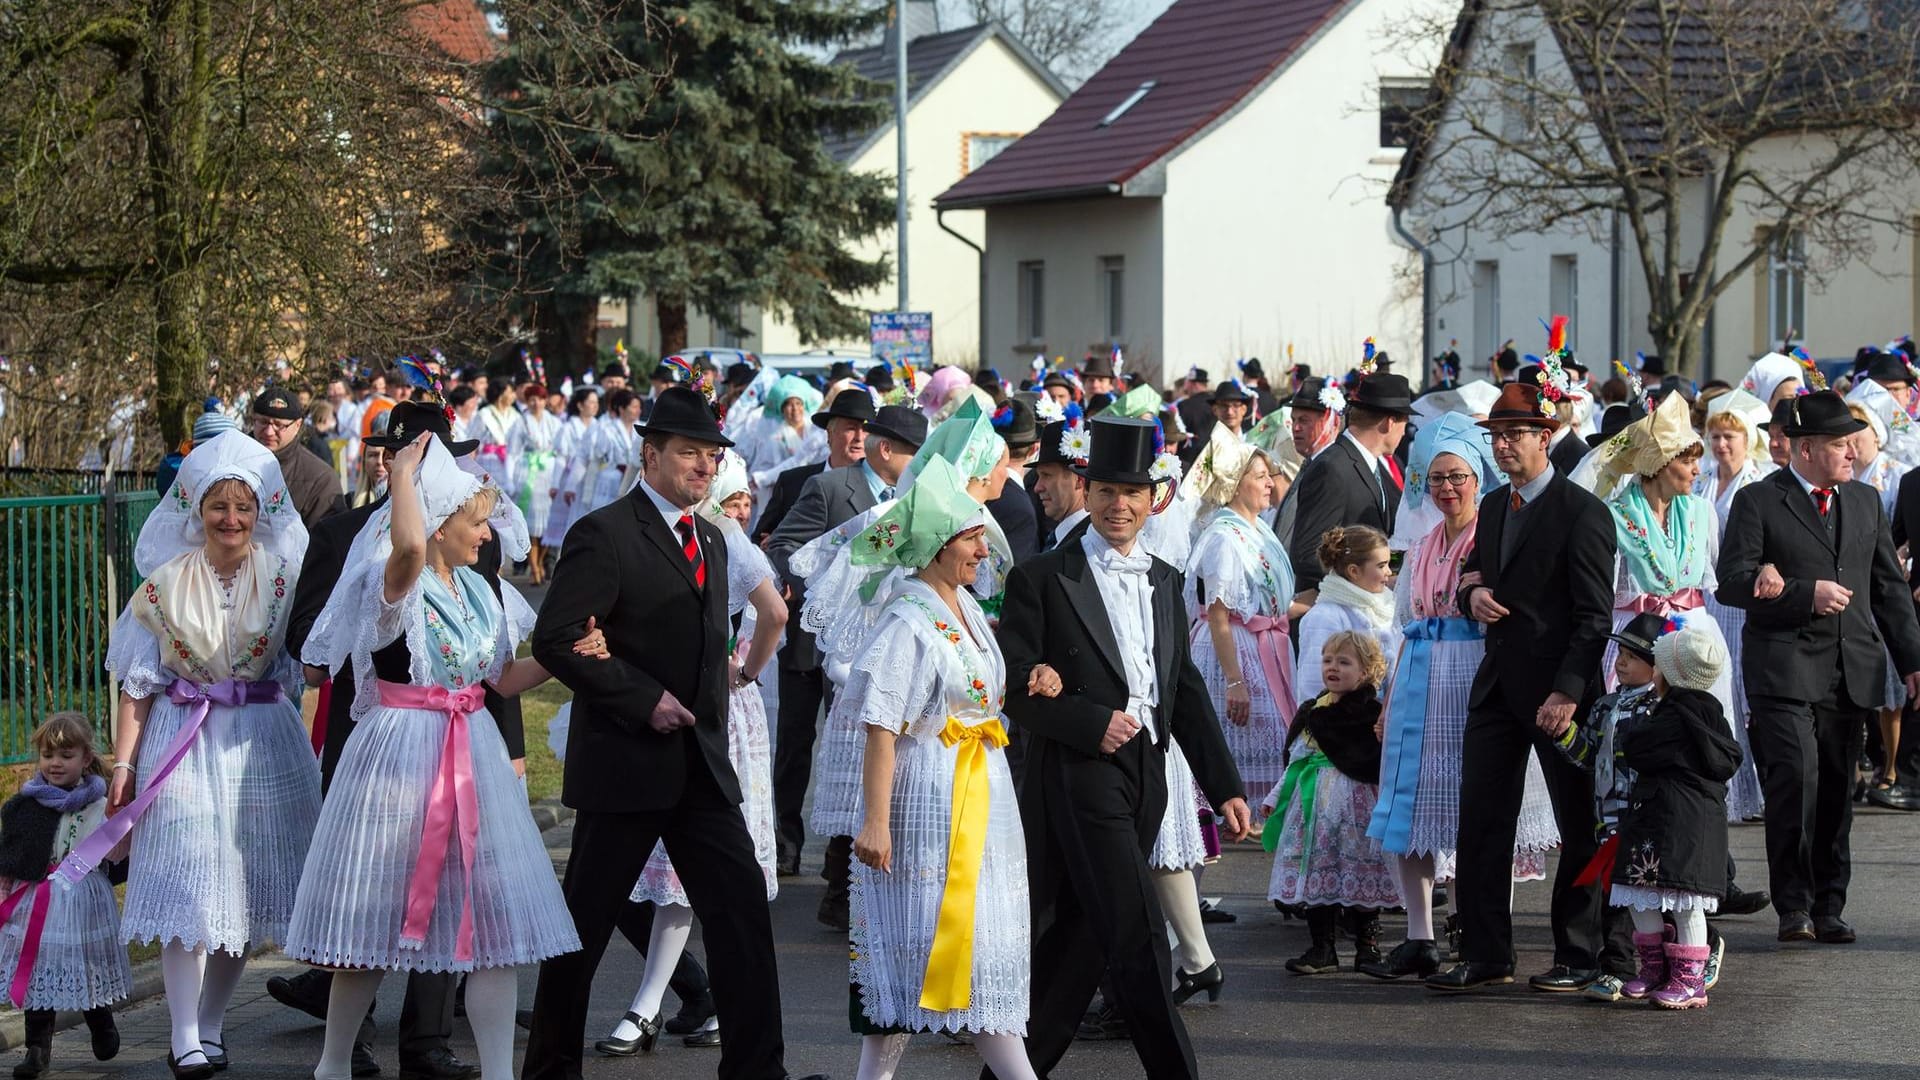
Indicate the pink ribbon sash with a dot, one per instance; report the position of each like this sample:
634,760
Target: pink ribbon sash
1270,636
30,944
230,693
451,804
1683,600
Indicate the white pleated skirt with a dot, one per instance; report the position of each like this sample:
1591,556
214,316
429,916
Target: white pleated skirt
837,757
353,895
750,751
216,859
82,963
1179,845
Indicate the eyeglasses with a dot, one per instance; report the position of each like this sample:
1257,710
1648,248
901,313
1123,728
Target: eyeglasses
275,424
1511,435
1452,479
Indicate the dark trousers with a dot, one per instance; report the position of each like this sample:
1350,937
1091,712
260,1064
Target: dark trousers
1493,773
708,841
837,870
1906,757
1805,752
689,981
802,694
1095,913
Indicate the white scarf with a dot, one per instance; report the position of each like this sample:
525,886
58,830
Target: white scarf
1375,608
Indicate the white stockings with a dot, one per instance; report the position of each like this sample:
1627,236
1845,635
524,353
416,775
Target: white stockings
1414,875
1005,1055
199,987
1179,897
347,1005
1690,927
672,927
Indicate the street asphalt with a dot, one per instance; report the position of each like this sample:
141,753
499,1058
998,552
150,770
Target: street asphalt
1795,1011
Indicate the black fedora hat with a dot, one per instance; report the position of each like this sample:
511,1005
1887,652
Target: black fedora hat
840,369
1889,368
851,403
1053,443
1252,369
1306,394
899,423
680,411
1638,635
1652,367
1227,392
1822,412
1016,423
1198,374
741,374
1383,391
1782,415
1121,452
406,420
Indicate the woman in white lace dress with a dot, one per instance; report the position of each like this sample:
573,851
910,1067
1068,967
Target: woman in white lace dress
209,734
753,596
939,898
572,450
1417,816
614,450
425,857
533,445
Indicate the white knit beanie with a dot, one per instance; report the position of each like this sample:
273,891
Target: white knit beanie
1689,657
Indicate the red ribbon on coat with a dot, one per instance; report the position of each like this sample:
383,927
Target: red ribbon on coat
1599,869
452,803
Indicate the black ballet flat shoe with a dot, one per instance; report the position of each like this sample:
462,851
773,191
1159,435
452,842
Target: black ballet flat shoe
1470,975
643,1044
702,1039
1211,979
693,1016
38,1060
1420,958
197,1070
216,1057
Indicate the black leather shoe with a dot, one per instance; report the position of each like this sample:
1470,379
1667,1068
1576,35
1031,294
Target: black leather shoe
701,1039
36,1061
1832,930
195,1067
833,914
1561,979
811,1076
1470,975
1211,914
1895,797
436,1064
1102,1024
364,1063
523,1019
105,1033
787,864
1796,926
306,991
1210,980
1741,902
1420,958
693,1016
643,1043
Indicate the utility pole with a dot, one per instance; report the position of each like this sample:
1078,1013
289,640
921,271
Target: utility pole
900,140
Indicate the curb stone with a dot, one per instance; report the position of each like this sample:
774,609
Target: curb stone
547,813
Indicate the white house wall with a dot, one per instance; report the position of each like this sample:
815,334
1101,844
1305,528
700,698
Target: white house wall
1070,237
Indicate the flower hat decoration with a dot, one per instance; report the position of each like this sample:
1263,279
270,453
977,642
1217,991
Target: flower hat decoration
1555,384
1076,442
1815,380
1333,398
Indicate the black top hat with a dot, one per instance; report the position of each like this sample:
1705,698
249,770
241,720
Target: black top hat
1122,451
900,423
1638,635
680,411
1016,423
741,374
851,403
614,370
1384,392
1228,391
1652,367
1052,438
278,403
1097,366
1506,360
1615,420
1889,368
1782,415
1306,394
406,420
840,369
1252,369
1822,412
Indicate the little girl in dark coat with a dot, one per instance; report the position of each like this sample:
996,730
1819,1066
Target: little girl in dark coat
1673,834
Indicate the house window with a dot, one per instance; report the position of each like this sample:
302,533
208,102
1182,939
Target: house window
1519,85
1787,287
1486,307
983,146
1113,291
1033,300
1400,103
1563,287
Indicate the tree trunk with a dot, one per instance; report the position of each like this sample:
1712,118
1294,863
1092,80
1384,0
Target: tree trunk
173,105
565,324
673,323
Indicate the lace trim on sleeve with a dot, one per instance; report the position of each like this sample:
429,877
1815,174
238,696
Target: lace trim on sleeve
894,680
747,567
1218,569
133,657
516,623
379,625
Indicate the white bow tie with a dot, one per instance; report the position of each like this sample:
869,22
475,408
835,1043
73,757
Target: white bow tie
1113,562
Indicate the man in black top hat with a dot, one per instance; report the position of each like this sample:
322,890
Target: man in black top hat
825,500
613,377
1015,510
1106,618
1352,482
647,753
277,425
1813,658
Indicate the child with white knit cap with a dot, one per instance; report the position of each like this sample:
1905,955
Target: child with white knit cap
1673,835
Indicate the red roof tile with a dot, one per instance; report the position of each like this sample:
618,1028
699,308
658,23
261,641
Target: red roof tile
457,28
1203,57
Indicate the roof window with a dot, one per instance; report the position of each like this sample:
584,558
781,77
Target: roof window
1132,100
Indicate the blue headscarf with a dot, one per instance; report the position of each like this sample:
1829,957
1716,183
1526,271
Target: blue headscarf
1449,433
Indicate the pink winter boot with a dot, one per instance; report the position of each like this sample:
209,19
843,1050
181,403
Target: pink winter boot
1653,965
1686,986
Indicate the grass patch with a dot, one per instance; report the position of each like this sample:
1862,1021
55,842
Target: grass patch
537,707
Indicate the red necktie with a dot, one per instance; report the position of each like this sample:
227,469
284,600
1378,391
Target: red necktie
691,549
1393,470
1514,501
1823,500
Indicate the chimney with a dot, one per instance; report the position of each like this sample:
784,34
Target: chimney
922,18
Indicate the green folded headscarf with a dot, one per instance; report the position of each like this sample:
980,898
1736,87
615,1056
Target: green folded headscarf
914,529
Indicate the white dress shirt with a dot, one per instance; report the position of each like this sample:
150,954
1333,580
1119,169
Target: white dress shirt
670,513
1373,465
1067,525
1128,595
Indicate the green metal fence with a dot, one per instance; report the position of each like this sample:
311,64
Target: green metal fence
68,571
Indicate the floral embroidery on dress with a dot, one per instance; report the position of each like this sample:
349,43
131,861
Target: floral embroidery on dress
977,690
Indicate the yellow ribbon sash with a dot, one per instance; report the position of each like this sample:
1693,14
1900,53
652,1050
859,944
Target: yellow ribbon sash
949,982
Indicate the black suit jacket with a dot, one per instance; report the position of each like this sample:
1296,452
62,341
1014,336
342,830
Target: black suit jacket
786,489
624,567
1337,487
827,500
1054,615
1557,588
1196,412
1014,512
1788,651
326,560
1566,453
1906,519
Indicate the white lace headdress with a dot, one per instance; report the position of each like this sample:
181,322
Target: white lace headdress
175,525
